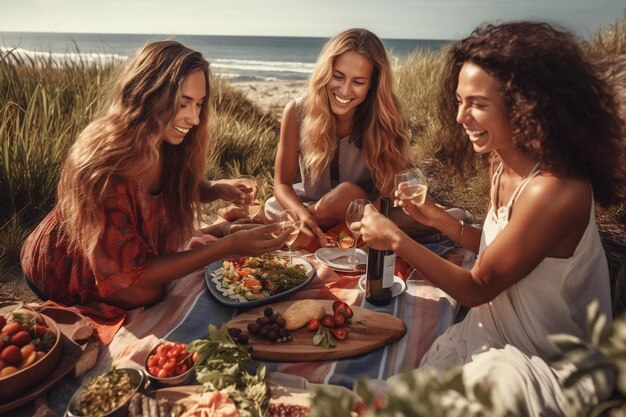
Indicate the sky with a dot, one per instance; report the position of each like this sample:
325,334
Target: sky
401,19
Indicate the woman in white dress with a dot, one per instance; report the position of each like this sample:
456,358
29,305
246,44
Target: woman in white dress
524,93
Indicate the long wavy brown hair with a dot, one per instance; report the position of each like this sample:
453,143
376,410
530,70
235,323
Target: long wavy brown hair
379,127
561,112
120,145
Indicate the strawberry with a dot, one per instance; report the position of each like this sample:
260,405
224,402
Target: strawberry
328,321
339,307
339,319
20,338
340,333
11,354
12,328
313,325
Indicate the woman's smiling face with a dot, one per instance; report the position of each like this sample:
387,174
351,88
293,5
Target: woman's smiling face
482,110
350,82
193,94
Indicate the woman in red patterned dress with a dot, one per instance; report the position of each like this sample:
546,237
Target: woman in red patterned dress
131,187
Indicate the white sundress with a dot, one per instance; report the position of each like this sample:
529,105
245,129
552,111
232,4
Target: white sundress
504,343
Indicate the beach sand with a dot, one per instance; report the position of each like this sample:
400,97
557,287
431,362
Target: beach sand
271,96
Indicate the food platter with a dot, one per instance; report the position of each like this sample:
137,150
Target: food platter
368,331
336,258
214,285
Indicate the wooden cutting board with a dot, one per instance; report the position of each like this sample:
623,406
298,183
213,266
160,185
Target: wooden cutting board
368,331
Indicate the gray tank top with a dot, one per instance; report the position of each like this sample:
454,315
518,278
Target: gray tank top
351,166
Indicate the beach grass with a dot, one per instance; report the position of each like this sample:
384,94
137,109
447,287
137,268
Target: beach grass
45,104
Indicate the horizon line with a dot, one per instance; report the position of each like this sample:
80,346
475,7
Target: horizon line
215,35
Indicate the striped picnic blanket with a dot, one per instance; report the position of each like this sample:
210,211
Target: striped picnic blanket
189,308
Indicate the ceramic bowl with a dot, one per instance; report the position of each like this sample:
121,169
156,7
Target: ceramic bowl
136,379
13,385
156,382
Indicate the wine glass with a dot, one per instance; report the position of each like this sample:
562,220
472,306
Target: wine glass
412,185
354,214
288,220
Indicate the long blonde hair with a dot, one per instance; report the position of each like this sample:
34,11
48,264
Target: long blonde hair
122,143
379,128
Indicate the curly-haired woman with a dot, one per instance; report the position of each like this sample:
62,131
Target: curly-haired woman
526,93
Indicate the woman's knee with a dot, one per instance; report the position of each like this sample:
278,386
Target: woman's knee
333,205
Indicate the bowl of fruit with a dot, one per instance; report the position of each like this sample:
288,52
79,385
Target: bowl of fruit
169,364
30,349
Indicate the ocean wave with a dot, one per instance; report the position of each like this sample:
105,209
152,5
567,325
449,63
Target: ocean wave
61,58
261,66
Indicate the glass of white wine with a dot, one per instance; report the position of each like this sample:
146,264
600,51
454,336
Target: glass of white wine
354,214
412,185
289,220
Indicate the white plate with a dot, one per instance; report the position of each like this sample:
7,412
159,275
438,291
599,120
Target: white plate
397,288
337,258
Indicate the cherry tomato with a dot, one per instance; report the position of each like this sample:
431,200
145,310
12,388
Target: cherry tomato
154,370
163,374
181,369
152,361
169,365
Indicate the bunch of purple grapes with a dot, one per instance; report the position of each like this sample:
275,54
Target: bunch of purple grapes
270,326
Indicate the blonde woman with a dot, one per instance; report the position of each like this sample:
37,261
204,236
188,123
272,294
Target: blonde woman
346,137
130,188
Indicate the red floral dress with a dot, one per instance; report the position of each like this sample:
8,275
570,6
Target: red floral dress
136,230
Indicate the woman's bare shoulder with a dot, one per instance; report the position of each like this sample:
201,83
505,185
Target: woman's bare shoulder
551,193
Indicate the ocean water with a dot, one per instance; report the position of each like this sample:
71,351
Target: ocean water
241,58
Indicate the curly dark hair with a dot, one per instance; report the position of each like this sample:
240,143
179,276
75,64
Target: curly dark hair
561,112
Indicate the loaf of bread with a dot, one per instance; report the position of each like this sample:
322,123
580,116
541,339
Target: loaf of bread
300,313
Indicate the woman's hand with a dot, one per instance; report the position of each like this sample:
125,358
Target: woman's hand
310,223
258,240
237,191
378,231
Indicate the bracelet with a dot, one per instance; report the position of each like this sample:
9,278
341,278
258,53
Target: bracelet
462,223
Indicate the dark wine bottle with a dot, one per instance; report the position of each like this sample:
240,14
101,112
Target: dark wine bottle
380,263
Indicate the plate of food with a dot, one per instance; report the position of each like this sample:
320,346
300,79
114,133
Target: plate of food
247,281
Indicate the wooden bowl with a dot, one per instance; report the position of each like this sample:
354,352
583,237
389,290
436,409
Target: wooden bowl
13,385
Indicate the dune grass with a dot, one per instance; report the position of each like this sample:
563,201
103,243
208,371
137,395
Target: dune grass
45,104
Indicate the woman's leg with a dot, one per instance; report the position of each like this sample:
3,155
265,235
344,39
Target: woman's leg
331,208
